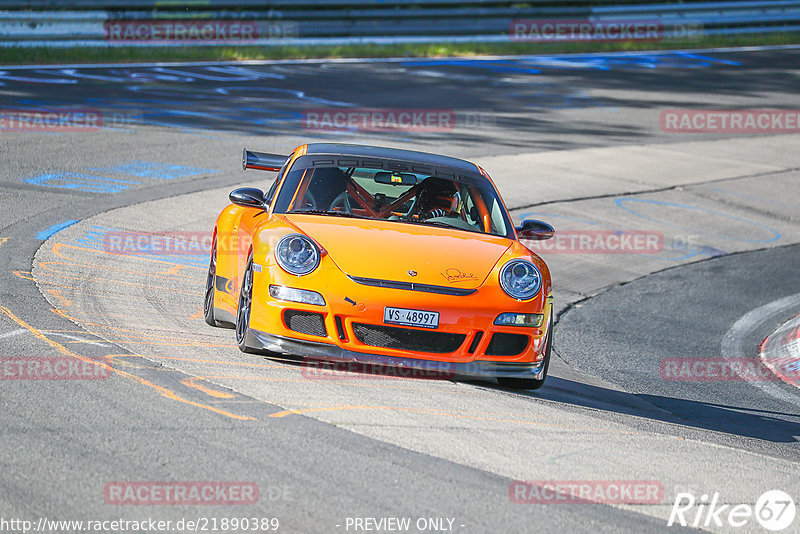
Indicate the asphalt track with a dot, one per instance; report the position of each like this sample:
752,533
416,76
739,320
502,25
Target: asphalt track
572,139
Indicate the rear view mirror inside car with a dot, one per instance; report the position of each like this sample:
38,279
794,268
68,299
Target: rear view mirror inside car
395,178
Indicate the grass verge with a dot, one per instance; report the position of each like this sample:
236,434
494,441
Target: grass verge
41,56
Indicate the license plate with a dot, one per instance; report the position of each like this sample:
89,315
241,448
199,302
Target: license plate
403,316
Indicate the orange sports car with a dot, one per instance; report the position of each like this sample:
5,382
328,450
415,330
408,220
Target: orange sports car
386,257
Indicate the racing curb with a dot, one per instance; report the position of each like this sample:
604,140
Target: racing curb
780,352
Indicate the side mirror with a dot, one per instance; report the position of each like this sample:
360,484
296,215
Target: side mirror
535,230
249,197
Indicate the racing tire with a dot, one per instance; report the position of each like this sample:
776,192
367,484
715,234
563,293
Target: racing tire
211,281
533,383
243,310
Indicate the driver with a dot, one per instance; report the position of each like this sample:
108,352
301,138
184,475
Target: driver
437,198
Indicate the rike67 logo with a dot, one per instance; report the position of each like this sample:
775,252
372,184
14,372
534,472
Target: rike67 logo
774,510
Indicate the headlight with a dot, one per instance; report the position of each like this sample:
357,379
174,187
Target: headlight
297,254
520,279
518,319
296,295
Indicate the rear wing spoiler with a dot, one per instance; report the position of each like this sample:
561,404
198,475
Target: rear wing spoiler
262,161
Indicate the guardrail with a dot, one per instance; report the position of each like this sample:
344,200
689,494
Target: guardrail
298,22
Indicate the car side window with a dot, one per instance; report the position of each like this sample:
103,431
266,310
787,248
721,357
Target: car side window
274,187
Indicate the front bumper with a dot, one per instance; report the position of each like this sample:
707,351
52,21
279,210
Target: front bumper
313,350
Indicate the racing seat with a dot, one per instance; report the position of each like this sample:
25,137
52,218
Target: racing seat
327,183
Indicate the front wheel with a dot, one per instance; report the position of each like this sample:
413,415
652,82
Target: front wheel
533,383
208,301
243,312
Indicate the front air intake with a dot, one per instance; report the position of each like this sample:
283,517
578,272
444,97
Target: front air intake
503,344
310,323
390,337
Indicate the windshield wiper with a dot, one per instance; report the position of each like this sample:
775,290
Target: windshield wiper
439,224
334,213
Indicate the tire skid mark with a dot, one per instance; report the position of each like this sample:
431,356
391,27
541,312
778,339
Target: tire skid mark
344,407
168,336
181,344
75,320
350,383
187,344
66,302
192,383
164,391
117,359
26,275
118,315
113,281
200,360
173,271
166,275
56,249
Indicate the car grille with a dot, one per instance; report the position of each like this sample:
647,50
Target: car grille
390,337
506,344
477,339
310,323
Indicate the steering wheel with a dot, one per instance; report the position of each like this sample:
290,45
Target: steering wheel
309,201
434,213
343,200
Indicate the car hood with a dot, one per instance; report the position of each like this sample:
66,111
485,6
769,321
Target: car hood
388,250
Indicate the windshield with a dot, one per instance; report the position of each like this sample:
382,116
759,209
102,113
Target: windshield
402,197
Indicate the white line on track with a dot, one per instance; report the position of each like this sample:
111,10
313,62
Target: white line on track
13,333
83,340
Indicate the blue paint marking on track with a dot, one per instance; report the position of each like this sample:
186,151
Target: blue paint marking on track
605,62
621,201
157,171
89,183
48,233
93,238
494,65
80,182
